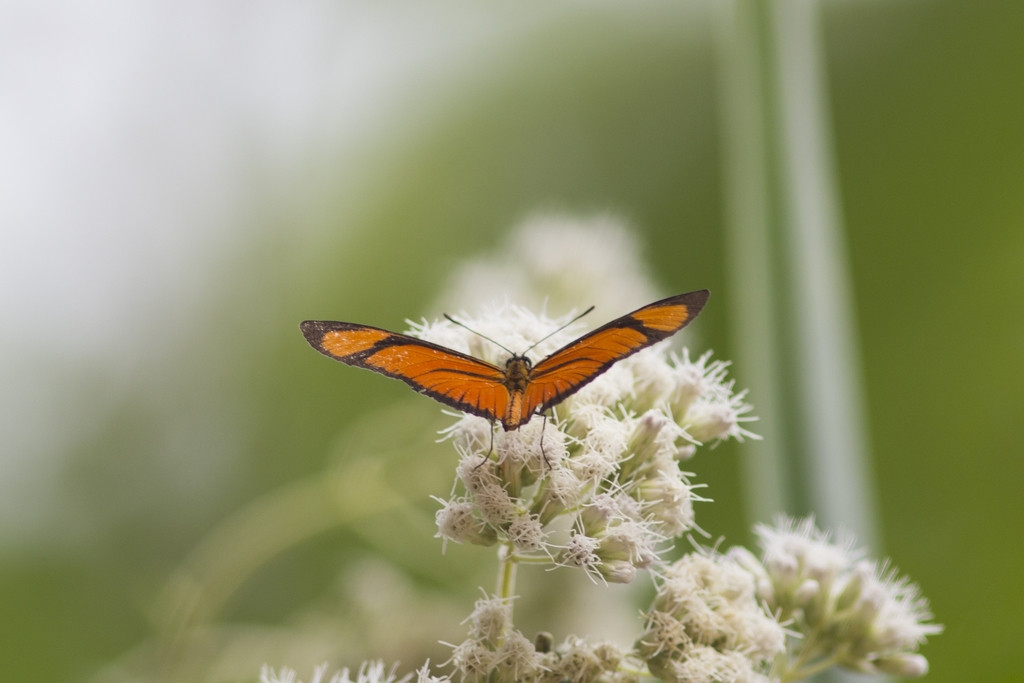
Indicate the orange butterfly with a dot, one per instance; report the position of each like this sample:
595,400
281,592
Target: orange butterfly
519,391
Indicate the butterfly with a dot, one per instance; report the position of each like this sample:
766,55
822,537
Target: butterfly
513,394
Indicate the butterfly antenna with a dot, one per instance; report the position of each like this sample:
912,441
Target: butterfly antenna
558,330
478,334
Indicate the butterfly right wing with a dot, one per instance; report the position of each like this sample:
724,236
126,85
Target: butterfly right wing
452,378
575,365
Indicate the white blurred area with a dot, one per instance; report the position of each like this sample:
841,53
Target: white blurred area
133,137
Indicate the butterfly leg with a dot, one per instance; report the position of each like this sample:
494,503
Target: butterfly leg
542,426
489,450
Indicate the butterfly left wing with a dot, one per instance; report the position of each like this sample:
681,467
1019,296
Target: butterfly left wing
455,379
572,367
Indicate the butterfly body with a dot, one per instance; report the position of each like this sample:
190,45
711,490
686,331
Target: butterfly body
520,390
518,371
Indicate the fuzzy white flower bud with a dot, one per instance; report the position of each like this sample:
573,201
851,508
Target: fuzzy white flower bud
614,386
593,466
629,508
581,551
491,499
685,452
490,619
457,522
704,403
653,378
517,659
689,382
630,541
526,533
643,443
369,672
423,675
667,498
862,572
596,514
473,660
608,437
764,589
617,571
470,434
707,665
904,666
664,635
712,596
710,421
581,662
807,591
561,489
855,612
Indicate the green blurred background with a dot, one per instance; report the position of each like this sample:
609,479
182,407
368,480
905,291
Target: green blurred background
359,154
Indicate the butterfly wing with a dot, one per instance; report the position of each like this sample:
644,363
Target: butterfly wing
572,367
455,379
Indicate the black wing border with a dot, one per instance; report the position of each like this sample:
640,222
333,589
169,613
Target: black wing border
314,331
694,302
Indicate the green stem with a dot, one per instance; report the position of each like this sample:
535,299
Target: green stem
641,672
807,672
530,559
798,670
507,561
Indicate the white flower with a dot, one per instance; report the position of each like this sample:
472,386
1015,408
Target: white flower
615,385
621,436
517,657
705,602
492,500
561,489
522,447
705,664
616,571
703,401
889,618
651,435
718,418
857,613
653,378
795,550
905,665
606,435
596,515
526,533
581,551
423,675
369,672
667,498
473,660
457,522
561,262
633,542
690,380
490,619
582,662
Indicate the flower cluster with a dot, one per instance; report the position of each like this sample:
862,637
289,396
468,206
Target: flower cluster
850,611
607,458
706,624
369,672
497,653
596,484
